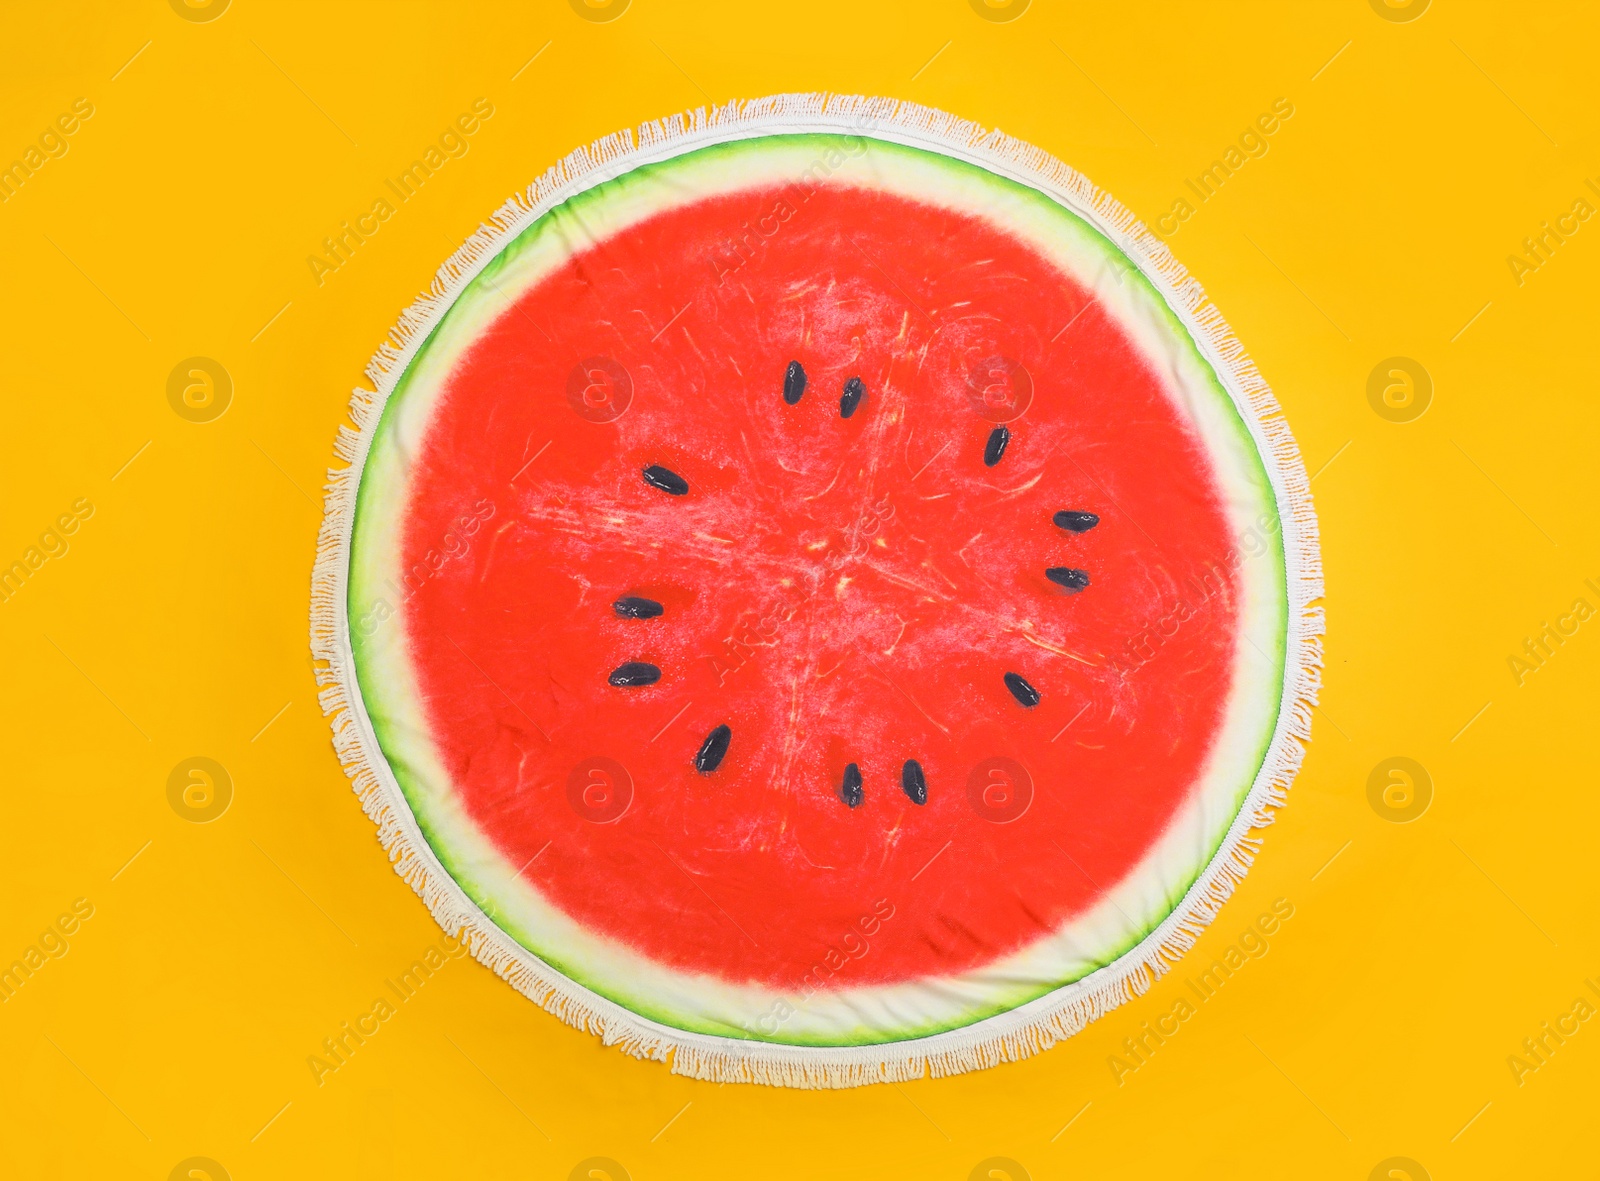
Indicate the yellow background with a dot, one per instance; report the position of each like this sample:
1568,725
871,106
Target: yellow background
1380,221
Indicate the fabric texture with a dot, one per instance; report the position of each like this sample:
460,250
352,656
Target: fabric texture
816,594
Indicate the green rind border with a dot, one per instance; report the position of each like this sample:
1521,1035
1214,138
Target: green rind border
1050,207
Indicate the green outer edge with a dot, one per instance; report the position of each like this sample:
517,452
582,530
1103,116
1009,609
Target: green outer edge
574,205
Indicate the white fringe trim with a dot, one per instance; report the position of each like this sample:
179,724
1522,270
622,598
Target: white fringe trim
1006,1037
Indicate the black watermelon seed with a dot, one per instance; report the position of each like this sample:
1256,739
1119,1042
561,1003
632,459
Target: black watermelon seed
1075,522
1027,696
913,782
665,479
1066,576
996,446
711,752
633,674
633,607
794,382
851,792
854,391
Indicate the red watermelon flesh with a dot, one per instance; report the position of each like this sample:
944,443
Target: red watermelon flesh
834,590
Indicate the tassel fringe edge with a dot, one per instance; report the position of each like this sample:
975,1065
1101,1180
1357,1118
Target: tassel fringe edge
1008,1037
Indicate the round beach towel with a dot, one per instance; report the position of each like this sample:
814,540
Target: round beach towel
817,595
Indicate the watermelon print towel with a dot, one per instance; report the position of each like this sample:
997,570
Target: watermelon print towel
817,596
